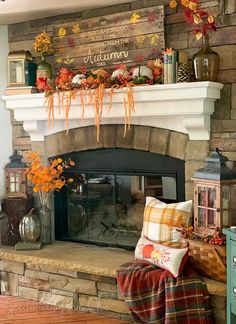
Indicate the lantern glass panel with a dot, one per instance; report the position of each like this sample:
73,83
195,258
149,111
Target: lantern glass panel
212,198
12,187
207,197
16,68
225,197
202,196
211,218
12,177
202,217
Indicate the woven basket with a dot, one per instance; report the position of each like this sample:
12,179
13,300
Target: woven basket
208,260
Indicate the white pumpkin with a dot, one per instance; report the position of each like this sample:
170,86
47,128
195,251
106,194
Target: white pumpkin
77,79
124,73
143,71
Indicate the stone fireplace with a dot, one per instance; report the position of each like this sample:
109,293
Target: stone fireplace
167,141
170,132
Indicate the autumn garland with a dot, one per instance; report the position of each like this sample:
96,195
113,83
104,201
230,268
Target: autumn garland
96,99
92,89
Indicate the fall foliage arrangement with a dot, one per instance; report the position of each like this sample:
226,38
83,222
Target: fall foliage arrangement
46,178
201,20
43,43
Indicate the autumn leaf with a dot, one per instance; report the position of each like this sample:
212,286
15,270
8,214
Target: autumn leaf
62,32
75,28
135,18
173,4
68,60
211,19
185,3
71,42
197,19
198,35
140,38
153,38
117,20
59,60
152,17
192,5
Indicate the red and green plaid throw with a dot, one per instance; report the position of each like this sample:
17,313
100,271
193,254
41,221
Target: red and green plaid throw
153,295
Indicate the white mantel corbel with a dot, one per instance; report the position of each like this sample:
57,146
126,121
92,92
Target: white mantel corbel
183,107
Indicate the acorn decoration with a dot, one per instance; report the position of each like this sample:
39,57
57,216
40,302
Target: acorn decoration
183,74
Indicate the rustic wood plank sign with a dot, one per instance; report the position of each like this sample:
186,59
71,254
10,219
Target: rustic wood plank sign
129,38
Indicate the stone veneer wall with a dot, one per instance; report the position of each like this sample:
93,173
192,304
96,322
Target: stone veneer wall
83,291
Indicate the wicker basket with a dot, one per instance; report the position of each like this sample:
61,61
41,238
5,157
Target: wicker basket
208,260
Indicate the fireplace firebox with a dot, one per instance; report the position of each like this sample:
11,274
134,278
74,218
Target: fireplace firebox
104,204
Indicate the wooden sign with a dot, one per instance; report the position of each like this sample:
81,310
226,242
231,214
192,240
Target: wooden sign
130,38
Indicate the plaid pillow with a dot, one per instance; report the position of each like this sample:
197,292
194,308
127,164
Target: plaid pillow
160,219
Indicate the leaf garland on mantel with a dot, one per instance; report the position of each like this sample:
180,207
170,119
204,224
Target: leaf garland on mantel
95,98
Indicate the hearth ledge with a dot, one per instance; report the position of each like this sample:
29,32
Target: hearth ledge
75,257
182,107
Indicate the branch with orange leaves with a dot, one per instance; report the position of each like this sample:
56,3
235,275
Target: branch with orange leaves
46,178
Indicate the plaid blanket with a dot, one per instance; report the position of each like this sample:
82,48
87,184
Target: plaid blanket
153,295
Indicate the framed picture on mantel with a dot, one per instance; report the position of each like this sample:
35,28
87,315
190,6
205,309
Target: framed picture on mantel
123,38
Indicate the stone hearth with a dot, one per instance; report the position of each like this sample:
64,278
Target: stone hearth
73,275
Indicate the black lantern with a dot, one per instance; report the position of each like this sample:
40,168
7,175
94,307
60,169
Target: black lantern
15,175
214,195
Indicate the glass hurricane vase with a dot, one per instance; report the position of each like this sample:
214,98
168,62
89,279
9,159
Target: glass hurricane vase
45,220
44,69
206,62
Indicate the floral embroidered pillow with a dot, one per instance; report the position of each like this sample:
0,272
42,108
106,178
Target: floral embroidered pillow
165,257
160,220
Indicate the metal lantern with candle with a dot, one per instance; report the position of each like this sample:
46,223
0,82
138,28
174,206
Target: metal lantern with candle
21,69
15,176
214,196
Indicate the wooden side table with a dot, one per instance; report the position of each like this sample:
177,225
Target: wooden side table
231,275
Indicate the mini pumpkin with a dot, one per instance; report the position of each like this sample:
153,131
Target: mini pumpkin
141,74
119,73
77,79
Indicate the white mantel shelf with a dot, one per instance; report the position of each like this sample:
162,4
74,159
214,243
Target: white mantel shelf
183,107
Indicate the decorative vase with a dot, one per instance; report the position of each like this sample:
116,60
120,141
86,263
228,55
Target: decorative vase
29,227
206,62
44,69
45,220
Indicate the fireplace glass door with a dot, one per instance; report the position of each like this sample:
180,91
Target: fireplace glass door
107,209
105,203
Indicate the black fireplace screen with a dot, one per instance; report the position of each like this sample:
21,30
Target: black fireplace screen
105,203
